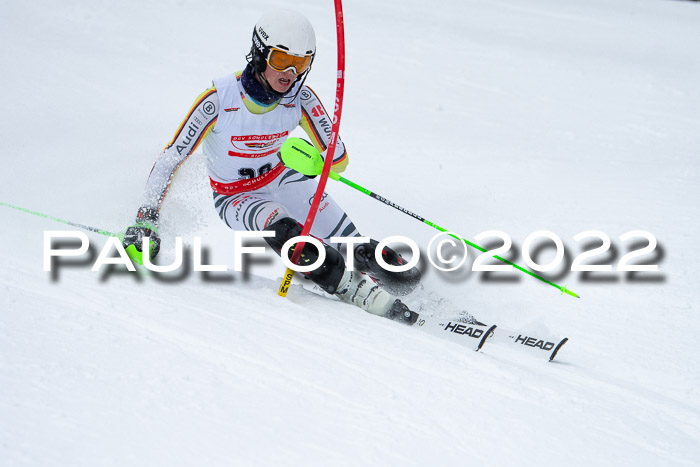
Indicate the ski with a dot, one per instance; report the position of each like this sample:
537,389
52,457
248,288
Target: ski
472,336
475,336
535,344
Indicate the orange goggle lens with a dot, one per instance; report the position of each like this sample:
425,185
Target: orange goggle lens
282,61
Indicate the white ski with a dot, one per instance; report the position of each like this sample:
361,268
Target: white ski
472,336
535,344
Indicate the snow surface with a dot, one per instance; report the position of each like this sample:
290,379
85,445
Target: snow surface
480,115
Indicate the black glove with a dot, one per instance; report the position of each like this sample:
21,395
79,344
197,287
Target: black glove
146,220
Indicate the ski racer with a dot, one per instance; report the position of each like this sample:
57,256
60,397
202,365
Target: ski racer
241,122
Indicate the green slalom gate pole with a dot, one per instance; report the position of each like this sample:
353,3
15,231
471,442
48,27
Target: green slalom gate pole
74,224
382,199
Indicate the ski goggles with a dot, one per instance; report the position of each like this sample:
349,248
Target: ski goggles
282,61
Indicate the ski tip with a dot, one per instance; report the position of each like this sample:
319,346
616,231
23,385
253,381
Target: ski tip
485,337
558,347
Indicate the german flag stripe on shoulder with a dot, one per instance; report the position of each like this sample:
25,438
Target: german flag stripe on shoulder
312,130
206,112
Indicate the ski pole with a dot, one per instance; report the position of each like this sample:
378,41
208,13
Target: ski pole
74,224
304,158
382,199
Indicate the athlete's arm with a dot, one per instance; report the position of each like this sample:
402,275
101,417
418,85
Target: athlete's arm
317,123
194,128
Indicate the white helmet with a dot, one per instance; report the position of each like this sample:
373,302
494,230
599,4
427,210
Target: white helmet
288,32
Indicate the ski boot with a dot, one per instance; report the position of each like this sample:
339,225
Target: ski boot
360,290
400,312
397,283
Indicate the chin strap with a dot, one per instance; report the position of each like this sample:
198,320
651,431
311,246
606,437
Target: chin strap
301,83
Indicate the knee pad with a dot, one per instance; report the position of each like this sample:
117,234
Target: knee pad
328,274
397,283
284,229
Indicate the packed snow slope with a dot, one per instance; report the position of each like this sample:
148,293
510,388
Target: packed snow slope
479,115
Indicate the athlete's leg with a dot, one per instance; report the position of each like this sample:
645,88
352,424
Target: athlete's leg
298,192
278,211
332,221
262,210
249,211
